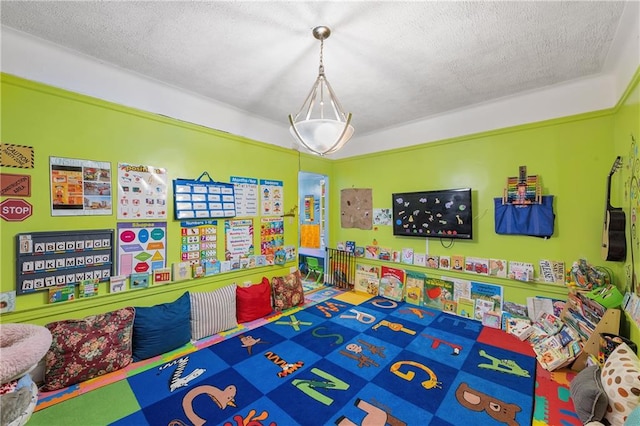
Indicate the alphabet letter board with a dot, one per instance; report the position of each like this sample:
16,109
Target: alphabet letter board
199,199
51,259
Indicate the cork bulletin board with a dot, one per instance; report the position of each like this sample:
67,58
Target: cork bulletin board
356,208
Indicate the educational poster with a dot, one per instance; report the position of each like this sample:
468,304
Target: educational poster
199,240
271,235
80,187
142,192
246,192
310,236
142,247
239,238
309,208
272,201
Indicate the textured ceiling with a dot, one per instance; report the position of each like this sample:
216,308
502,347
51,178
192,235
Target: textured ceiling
390,63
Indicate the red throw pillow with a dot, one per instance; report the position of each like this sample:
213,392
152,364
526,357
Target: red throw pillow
253,302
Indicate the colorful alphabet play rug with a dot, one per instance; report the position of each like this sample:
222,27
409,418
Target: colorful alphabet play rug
338,362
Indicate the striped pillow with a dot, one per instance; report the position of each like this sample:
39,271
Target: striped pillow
213,311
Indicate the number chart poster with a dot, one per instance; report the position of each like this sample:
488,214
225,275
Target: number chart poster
239,238
199,240
271,235
272,193
80,187
246,192
142,247
142,192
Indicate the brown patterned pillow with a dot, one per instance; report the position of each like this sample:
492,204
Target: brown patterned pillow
287,291
87,348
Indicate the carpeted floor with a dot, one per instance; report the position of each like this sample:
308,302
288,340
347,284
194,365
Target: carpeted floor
333,384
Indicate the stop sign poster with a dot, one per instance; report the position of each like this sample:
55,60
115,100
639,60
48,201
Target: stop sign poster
142,247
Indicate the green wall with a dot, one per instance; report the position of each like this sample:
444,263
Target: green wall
626,124
572,156
62,124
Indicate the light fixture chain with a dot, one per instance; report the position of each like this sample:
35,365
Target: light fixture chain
321,69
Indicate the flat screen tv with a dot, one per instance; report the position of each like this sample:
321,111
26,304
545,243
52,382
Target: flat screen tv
433,214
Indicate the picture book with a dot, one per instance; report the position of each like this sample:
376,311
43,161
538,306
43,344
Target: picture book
450,306
414,295
88,288
62,294
7,302
457,263
498,268
197,271
280,257
212,266
225,265
415,285
396,256
461,288
384,253
433,261
161,276
369,268
358,251
181,271
372,252
445,262
476,265
520,271
290,253
490,292
392,283
492,319
551,271
482,306
419,259
436,292
516,310
366,282
350,246
407,256
465,307
141,280
117,283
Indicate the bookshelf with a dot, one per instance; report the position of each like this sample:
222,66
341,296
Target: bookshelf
609,323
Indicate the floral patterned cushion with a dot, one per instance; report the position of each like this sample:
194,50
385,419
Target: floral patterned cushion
287,291
87,348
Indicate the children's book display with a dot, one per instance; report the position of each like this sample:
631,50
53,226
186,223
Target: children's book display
203,199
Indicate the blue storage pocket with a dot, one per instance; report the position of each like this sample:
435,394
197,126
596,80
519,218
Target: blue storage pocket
535,220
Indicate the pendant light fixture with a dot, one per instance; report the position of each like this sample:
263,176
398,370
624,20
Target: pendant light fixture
321,125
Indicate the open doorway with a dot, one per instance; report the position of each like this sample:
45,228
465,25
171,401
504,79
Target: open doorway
313,226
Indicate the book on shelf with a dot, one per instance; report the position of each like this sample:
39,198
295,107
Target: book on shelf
549,322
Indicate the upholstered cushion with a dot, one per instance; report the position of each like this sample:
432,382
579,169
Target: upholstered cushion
254,301
287,291
89,347
213,311
621,382
161,328
589,399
